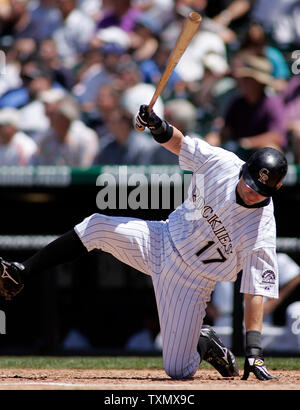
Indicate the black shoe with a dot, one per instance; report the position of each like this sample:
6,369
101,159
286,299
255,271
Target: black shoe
221,358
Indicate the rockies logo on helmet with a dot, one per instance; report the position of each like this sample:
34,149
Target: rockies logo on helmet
263,175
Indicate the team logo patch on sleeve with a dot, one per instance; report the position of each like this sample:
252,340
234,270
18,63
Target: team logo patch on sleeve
268,279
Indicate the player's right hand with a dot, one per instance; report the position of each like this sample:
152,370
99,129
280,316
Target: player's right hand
256,365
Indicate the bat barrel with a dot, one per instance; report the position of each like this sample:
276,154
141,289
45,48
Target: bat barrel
188,31
194,16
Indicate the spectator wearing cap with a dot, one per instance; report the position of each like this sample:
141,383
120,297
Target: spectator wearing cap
112,34
253,119
67,141
16,148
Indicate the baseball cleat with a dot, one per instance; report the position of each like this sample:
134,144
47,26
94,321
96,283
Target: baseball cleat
221,358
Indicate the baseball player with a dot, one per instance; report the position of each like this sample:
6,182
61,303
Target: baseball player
225,226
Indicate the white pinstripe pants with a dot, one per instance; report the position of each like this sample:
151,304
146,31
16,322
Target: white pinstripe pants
181,293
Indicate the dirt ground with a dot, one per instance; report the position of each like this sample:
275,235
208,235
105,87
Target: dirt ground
72,379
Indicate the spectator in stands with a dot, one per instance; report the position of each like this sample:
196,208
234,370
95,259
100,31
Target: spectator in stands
227,18
73,36
213,93
93,8
35,78
30,70
16,20
100,68
153,68
108,100
12,78
45,16
128,147
190,67
26,19
134,90
183,115
253,120
16,148
280,18
234,14
49,58
144,38
111,35
256,42
159,11
120,13
291,101
68,141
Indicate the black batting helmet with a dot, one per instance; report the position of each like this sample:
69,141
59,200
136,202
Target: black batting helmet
264,170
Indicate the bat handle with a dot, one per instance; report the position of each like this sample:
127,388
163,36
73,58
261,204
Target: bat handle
150,106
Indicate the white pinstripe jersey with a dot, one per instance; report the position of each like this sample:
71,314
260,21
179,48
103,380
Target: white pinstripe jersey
213,233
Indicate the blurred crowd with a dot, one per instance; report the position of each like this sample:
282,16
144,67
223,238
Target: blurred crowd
73,74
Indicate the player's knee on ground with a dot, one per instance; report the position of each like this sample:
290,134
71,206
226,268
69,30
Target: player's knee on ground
177,371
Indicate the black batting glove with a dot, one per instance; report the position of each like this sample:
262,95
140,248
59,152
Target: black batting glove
254,363
145,119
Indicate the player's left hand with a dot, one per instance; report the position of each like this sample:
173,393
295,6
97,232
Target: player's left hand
255,364
145,119
142,118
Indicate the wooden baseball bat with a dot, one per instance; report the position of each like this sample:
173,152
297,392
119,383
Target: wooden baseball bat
189,29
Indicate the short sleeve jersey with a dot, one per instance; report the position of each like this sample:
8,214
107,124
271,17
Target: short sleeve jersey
213,233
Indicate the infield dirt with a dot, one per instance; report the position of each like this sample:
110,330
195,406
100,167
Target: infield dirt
73,379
